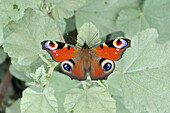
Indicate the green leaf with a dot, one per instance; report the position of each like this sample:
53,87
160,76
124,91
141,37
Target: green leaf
3,56
65,8
88,33
61,83
132,21
13,10
38,100
102,13
15,107
24,42
154,13
38,73
70,24
18,74
143,74
27,69
40,76
93,100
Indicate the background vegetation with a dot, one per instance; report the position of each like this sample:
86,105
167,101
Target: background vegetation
30,82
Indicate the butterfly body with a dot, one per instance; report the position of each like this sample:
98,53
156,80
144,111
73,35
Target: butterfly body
76,62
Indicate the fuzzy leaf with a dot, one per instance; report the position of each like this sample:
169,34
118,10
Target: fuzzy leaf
88,33
65,8
61,83
102,13
94,100
38,100
18,74
13,10
154,13
143,74
24,42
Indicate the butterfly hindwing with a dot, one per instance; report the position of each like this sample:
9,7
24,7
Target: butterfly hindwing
112,49
59,51
74,68
101,68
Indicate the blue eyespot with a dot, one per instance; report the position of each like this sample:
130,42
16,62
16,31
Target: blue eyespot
67,67
107,67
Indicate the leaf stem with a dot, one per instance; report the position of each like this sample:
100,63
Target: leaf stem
44,59
84,85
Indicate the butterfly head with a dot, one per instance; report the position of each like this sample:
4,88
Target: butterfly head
85,46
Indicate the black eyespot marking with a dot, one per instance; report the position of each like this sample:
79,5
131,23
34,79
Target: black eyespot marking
101,60
72,61
67,67
101,45
60,45
107,67
68,47
109,43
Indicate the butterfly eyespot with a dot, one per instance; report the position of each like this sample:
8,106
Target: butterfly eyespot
120,43
107,65
67,66
51,45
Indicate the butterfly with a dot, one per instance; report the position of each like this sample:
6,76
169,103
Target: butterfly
98,60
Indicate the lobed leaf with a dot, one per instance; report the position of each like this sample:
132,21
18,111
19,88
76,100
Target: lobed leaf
88,33
65,8
102,14
93,100
61,84
38,100
13,10
27,34
154,13
142,74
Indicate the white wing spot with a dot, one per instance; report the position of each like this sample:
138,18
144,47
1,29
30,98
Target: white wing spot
115,52
54,51
117,49
56,54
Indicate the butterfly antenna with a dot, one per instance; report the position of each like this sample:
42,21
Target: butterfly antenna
75,41
94,36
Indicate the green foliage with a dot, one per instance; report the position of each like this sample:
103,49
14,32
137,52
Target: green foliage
140,82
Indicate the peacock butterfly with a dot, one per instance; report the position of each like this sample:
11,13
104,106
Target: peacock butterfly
77,62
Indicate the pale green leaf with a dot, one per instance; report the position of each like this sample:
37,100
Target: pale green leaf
38,100
93,100
132,21
18,74
102,13
154,13
15,107
27,69
27,34
13,10
65,8
70,24
61,83
40,71
143,74
3,56
88,33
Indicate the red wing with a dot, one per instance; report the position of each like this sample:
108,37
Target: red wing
113,49
74,68
59,51
98,68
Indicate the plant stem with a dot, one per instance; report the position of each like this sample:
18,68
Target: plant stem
44,59
84,85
